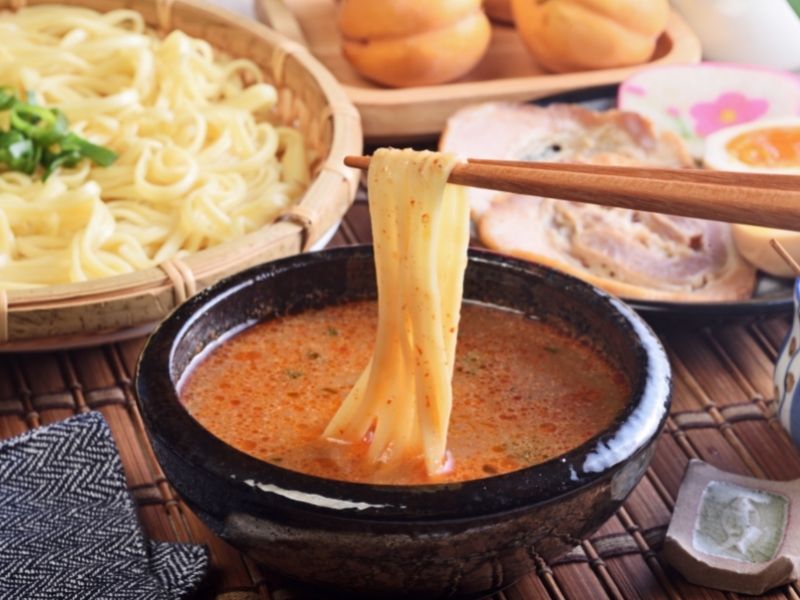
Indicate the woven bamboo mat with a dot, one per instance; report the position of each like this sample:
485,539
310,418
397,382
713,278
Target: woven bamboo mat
721,413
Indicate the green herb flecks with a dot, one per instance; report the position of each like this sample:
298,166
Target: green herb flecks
39,137
470,363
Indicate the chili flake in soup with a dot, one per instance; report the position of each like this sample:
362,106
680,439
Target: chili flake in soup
522,393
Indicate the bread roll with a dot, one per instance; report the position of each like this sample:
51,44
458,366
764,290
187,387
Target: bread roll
577,35
402,43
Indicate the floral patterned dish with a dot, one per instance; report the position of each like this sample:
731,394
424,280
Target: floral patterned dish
697,100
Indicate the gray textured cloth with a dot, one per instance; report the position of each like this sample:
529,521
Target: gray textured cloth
68,527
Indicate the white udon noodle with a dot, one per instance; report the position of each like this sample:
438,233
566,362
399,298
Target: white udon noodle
198,162
403,398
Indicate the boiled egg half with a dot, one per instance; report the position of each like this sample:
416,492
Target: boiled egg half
768,146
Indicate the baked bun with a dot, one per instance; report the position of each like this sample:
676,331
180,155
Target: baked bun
577,35
403,43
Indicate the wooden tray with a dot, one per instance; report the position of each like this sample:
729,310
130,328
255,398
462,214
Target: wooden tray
507,72
113,308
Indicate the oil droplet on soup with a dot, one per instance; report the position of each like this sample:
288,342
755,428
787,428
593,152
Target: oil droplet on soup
522,393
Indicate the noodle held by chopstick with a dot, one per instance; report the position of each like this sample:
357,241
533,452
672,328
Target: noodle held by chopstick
403,399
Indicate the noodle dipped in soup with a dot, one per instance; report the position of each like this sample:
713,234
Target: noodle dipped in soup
523,393
403,399
392,426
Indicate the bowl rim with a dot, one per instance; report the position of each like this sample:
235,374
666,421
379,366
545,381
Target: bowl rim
273,488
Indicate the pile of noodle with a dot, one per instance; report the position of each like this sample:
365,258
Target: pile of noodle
198,161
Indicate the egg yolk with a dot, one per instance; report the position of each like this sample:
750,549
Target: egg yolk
773,147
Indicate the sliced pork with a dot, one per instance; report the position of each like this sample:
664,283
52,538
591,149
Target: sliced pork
621,250
630,253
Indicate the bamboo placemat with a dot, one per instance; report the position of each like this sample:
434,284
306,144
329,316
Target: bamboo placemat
721,413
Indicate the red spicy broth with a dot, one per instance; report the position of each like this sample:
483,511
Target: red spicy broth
522,393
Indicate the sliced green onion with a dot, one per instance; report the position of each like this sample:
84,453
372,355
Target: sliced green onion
18,152
67,158
41,124
41,136
99,154
7,98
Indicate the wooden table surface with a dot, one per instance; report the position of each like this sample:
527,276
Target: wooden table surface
722,413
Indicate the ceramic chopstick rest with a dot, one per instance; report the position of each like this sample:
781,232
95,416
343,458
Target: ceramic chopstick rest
735,533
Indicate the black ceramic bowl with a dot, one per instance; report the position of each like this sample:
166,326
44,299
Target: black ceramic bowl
441,540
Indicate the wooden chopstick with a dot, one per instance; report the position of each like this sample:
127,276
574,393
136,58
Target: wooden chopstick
786,182
755,199
787,258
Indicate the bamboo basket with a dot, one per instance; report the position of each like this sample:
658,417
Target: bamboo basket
308,97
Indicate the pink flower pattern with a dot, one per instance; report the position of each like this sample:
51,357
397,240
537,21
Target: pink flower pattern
728,109
637,90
